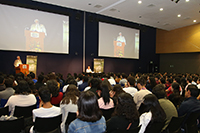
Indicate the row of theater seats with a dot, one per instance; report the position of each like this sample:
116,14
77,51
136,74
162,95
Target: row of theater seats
52,125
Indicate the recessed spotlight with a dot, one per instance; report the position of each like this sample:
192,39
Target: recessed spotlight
139,2
89,4
161,9
187,0
179,15
194,21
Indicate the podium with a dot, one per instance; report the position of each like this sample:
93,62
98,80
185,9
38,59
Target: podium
34,40
119,49
24,68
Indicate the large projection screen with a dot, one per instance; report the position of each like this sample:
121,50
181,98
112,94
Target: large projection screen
118,41
31,30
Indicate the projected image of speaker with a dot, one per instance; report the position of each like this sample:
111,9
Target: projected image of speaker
33,31
118,41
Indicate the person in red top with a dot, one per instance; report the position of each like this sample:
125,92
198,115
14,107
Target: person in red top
56,95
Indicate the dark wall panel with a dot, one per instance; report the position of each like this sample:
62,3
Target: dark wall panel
180,63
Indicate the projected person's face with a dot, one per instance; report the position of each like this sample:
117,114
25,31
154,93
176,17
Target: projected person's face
120,34
18,57
88,67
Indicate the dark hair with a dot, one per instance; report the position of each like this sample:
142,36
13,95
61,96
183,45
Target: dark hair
40,78
170,80
151,104
118,89
105,93
189,79
142,81
126,107
85,78
52,85
32,75
9,82
193,90
73,82
162,80
152,82
95,82
159,91
23,88
124,75
131,80
178,80
44,94
1,79
176,87
71,94
88,107
105,81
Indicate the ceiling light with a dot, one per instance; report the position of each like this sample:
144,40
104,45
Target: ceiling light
194,21
161,9
179,15
187,0
139,2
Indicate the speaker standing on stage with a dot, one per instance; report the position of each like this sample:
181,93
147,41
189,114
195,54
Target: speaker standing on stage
18,61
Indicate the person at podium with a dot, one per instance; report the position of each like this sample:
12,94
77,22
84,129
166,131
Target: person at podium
121,38
38,27
18,61
88,70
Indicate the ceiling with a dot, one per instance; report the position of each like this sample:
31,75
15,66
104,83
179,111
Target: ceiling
147,13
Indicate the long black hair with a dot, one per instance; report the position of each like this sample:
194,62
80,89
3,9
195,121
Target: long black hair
151,104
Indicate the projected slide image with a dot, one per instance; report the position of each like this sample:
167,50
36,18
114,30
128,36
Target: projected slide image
31,30
118,41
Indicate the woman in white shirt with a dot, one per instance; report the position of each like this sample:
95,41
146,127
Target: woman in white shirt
69,104
151,112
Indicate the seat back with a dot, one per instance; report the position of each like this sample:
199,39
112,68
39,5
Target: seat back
24,111
47,124
4,111
154,127
175,124
71,116
134,130
107,113
12,126
3,102
191,122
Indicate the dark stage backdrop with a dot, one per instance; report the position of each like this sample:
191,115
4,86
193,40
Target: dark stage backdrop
73,62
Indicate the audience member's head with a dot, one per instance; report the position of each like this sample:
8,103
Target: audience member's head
159,91
40,78
71,94
141,82
151,104
131,81
23,88
126,107
95,83
44,94
2,80
88,108
52,85
9,82
192,91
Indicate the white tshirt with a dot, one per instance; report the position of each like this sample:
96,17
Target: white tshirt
145,118
20,100
112,81
46,112
130,90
